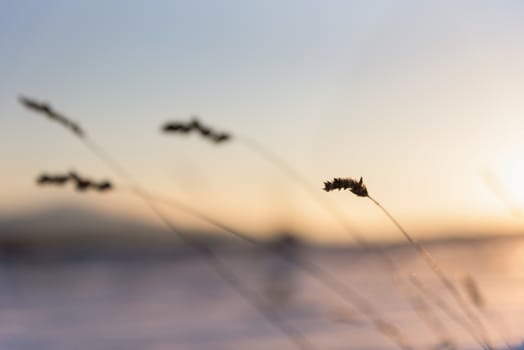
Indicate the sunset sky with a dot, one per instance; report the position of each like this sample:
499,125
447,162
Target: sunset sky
422,99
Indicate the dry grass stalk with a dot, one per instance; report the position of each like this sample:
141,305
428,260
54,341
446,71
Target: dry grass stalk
213,260
358,188
51,114
81,183
196,126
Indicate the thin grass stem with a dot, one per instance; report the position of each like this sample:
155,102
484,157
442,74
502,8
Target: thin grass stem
296,177
444,307
341,289
435,267
359,188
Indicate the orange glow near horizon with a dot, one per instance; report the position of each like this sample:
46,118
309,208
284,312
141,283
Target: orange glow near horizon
271,217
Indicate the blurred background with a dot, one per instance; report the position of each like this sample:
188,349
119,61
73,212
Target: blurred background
421,99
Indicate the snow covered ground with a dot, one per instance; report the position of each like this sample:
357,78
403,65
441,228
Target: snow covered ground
182,304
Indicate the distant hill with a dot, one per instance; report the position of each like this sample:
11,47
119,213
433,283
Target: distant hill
73,231
70,219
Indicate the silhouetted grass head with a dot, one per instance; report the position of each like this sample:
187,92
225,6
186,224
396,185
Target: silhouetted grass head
194,125
46,109
357,187
81,183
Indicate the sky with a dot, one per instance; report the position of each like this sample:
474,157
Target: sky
421,99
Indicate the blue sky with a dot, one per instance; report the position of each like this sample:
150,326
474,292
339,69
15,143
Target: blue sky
418,97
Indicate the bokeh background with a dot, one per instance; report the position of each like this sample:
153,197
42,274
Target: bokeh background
420,98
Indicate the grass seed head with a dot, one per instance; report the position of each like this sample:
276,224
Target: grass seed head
357,187
81,183
46,109
194,125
